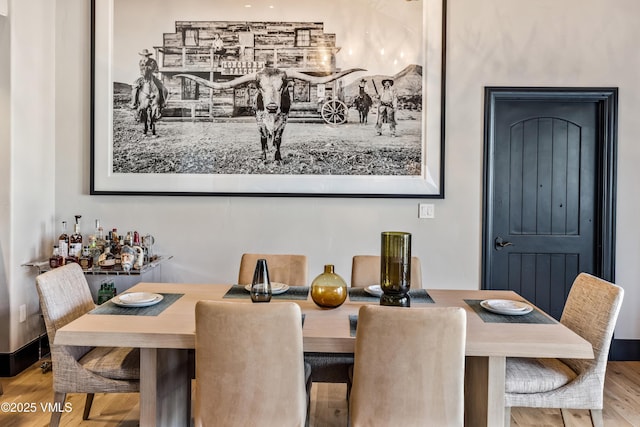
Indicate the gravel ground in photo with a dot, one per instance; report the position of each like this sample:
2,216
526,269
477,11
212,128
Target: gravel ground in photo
232,146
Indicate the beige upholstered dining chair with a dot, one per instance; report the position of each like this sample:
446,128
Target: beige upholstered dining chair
409,367
287,269
65,296
293,270
365,271
591,311
249,365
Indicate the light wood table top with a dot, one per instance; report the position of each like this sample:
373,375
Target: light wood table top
325,330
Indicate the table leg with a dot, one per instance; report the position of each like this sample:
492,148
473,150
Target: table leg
484,391
165,387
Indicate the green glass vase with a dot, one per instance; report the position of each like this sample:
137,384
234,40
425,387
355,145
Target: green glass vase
328,290
395,268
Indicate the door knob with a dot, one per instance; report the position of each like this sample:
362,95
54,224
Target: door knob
499,243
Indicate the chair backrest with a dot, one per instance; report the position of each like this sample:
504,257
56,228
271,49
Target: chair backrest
288,269
365,271
249,364
591,311
64,296
409,367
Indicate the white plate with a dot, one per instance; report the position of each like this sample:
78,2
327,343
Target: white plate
276,288
505,306
137,299
374,290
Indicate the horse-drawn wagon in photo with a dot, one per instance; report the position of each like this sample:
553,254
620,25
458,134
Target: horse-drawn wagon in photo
206,82
333,109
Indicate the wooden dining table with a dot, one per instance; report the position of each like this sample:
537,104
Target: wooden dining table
166,335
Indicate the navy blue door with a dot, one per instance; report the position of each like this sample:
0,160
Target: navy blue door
541,198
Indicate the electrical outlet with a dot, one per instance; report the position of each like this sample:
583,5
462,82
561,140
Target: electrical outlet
23,313
426,210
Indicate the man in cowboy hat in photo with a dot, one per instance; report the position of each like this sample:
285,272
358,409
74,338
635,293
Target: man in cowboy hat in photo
387,105
148,68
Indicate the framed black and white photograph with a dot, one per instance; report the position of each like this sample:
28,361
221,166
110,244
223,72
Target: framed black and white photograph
339,98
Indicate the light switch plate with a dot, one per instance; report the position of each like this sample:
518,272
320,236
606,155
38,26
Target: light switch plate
426,210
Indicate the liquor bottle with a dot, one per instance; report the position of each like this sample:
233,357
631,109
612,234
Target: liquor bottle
75,240
107,244
94,250
106,260
63,241
56,259
115,243
86,260
136,238
128,239
100,241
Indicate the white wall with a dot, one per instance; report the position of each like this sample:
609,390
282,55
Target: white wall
493,42
29,177
5,178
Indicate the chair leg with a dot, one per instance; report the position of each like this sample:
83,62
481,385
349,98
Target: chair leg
58,402
596,418
308,420
308,385
349,381
507,416
87,406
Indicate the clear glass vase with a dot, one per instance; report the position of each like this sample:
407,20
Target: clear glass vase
328,290
395,268
261,285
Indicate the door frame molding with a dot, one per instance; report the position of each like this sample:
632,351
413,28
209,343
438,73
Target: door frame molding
606,154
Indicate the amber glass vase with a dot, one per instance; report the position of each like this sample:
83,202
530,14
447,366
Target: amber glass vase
395,268
328,290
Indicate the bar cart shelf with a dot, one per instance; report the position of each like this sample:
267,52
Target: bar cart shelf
43,266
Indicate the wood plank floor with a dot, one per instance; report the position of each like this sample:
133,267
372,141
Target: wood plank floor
30,392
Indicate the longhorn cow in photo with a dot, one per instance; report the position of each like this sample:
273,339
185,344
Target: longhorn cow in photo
273,102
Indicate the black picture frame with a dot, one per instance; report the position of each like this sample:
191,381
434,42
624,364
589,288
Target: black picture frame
116,169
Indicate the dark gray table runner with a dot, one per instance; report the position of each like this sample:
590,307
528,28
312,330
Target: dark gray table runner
152,310
416,295
294,292
535,316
